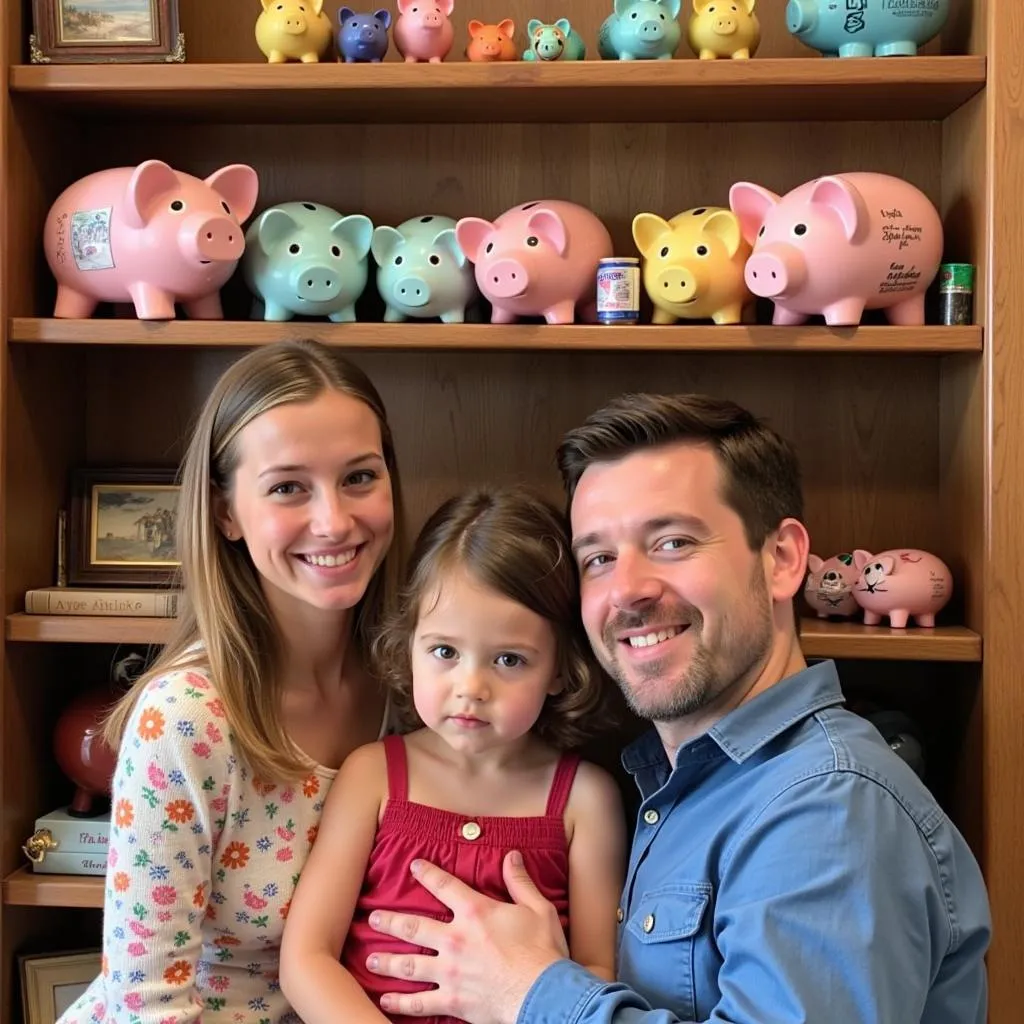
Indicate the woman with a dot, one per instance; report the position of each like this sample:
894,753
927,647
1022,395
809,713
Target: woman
289,505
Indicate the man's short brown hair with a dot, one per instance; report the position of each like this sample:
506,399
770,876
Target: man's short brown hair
760,469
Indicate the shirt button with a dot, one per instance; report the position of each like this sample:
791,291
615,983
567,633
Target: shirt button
648,922
651,816
471,830
619,915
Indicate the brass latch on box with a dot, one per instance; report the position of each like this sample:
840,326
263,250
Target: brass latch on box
39,845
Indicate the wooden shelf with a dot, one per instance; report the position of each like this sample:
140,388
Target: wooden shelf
820,639
686,90
496,337
25,888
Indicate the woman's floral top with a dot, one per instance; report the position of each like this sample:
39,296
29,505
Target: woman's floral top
203,861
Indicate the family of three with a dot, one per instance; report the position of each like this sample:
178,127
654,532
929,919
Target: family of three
348,791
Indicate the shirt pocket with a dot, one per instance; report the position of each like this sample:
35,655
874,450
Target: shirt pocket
658,954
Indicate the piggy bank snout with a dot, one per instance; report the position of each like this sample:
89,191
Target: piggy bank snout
651,30
801,15
549,49
676,284
506,278
412,291
769,274
216,239
317,283
432,19
292,24
724,25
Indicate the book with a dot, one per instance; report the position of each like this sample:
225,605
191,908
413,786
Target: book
65,845
71,864
158,604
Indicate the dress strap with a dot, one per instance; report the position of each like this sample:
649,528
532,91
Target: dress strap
561,785
398,767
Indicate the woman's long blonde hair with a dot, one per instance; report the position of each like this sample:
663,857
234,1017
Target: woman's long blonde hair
224,624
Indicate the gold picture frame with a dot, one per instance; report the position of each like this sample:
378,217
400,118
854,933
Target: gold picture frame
51,982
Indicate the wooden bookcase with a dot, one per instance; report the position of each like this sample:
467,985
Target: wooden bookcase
906,436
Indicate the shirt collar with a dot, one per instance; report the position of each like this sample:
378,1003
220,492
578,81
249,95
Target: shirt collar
749,727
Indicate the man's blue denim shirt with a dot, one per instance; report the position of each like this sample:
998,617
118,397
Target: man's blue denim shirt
791,868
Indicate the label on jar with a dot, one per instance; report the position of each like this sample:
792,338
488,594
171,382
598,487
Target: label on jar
618,291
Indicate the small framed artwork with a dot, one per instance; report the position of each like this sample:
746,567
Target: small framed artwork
122,526
51,982
105,32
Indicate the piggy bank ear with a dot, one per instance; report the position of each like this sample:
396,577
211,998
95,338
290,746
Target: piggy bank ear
532,25
273,227
749,5
357,231
149,180
385,241
383,16
507,27
647,229
888,564
266,3
447,6
621,6
446,240
751,204
470,233
838,195
563,26
548,225
404,5
814,563
724,225
318,6
861,558
474,26
672,6
239,186
344,14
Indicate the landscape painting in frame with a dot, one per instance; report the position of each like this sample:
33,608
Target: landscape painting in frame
103,31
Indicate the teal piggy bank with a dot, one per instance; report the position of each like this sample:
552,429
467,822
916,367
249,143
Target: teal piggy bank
423,271
640,30
557,41
866,28
306,259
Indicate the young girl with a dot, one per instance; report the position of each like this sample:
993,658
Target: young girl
488,648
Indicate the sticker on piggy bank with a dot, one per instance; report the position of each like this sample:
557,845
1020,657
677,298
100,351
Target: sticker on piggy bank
902,583
829,586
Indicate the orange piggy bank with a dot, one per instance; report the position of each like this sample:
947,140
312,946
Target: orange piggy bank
491,42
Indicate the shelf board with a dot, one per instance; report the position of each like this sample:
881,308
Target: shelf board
498,337
24,887
819,638
685,90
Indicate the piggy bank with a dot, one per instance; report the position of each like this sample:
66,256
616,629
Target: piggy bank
363,38
841,244
558,41
422,270
491,42
423,31
829,586
866,28
640,30
293,30
724,28
149,235
307,259
537,259
901,583
693,265
81,752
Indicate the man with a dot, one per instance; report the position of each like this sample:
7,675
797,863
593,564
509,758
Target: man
786,866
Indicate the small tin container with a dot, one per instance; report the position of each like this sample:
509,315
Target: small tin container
956,294
618,290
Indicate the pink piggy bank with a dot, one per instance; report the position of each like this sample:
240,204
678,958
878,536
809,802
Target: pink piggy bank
423,31
150,235
901,583
538,259
841,244
829,586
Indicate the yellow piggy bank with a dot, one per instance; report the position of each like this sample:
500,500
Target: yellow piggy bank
293,30
693,265
724,28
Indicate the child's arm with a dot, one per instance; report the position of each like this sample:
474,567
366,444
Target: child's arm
319,988
597,866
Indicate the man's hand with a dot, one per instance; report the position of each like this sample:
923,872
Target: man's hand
488,956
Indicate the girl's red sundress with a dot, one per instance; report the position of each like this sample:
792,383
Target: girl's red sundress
471,848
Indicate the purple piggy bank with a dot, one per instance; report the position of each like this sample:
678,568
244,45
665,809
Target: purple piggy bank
901,583
829,586
363,38
537,259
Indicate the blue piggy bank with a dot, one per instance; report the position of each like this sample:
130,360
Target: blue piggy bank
423,270
306,259
866,28
640,30
363,38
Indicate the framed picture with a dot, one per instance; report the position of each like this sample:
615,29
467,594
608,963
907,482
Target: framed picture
105,31
51,982
122,526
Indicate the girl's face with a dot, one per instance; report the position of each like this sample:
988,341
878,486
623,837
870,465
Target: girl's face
482,665
311,498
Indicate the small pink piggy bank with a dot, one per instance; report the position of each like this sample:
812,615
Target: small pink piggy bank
829,586
537,259
149,235
901,583
423,31
841,244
